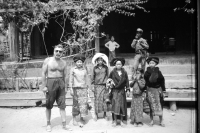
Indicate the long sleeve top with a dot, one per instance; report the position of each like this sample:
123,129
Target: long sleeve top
121,81
140,44
154,78
111,45
78,77
138,86
100,75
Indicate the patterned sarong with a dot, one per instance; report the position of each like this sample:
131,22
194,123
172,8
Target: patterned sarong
99,101
136,114
155,101
80,101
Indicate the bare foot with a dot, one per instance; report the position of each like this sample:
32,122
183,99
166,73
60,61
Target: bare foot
66,127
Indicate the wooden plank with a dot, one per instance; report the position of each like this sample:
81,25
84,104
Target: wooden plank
180,99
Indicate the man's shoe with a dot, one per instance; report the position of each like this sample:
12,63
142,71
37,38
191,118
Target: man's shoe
48,128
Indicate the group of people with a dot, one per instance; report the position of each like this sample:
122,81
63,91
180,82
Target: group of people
110,88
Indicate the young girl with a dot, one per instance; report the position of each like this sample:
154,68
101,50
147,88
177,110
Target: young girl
78,84
111,45
99,78
121,84
155,83
138,85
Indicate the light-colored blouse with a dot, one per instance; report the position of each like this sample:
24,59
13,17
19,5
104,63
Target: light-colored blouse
78,77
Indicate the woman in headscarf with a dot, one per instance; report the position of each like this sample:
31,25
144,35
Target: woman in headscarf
99,78
121,84
155,83
78,84
138,85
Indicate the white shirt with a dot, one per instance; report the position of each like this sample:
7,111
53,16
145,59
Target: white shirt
112,45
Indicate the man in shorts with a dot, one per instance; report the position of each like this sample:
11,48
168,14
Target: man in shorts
141,46
54,85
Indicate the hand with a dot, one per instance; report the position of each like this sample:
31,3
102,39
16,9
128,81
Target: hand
45,89
71,92
164,94
128,93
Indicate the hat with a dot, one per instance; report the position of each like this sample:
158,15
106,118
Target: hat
99,55
139,30
79,57
118,59
155,59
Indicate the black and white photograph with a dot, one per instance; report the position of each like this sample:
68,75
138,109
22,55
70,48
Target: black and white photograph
99,66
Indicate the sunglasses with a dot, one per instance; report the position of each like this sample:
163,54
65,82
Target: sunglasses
58,51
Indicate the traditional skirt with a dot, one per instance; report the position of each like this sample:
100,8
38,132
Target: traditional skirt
119,105
136,114
80,101
155,101
99,101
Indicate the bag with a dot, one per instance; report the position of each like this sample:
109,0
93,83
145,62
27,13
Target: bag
146,107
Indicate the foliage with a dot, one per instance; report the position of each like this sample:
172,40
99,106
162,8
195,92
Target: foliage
185,7
85,15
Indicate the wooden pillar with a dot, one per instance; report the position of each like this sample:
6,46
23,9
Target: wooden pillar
97,48
13,41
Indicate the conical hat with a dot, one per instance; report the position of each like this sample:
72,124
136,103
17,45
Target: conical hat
103,56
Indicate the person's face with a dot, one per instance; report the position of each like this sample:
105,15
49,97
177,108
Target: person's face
152,64
138,74
138,35
118,65
100,61
112,38
79,63
58,52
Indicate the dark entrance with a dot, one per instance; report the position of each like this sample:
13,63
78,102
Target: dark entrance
161,21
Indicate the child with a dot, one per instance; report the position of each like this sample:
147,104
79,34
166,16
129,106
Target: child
78,84
111,45
99,78
138,85
121,82
155,83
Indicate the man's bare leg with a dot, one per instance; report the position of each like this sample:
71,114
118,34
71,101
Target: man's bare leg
48,116
63,117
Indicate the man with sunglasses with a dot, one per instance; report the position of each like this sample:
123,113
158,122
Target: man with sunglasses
141,46
54,76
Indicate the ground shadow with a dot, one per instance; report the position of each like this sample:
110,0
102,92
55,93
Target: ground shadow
57,121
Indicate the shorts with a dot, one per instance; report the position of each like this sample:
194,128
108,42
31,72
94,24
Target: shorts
56,92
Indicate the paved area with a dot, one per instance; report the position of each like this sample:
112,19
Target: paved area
32,120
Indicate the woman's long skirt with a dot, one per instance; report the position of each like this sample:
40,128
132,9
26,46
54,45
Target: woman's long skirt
155,100
136,114
119,105
80,101
99,101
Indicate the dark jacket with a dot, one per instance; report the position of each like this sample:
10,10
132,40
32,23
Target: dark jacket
154,78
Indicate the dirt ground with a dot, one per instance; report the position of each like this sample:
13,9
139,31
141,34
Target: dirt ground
33,120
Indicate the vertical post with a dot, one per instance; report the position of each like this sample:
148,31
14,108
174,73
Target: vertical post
198,54
13,41
97,49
